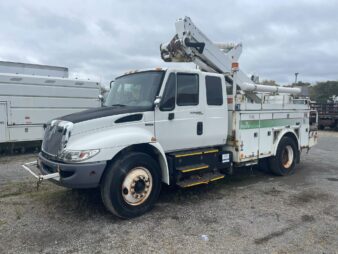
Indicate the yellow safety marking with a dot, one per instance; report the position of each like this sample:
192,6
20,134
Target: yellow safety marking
212,151
194,169
187,154
197,183
216,178
204,182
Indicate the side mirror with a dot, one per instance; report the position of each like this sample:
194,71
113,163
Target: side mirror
101,97
111,83
157,101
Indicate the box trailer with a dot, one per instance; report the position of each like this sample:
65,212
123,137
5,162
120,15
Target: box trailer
327,115
33,69
27,102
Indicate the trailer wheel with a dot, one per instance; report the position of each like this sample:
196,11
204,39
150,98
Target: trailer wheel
131,185
284,162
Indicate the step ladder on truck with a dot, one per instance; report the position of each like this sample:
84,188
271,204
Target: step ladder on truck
181,127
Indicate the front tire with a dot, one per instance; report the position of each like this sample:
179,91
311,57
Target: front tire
284,162
131,185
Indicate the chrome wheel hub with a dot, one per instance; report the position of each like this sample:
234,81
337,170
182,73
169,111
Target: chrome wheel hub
287,156
137,186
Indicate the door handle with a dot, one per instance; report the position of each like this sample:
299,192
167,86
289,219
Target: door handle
171,116
196,112
199,128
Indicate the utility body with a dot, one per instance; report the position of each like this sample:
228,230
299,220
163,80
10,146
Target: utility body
178,127
31,95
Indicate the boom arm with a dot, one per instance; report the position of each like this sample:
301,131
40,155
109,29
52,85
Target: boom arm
191,45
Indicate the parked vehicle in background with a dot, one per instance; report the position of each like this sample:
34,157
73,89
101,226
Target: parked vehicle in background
327,115
31,95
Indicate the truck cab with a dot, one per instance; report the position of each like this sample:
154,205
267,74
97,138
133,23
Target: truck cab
164,114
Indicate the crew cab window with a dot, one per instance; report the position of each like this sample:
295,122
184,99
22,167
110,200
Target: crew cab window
214,90
187,89
169,95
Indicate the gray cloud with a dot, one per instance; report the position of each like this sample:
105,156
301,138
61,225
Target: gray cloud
102,39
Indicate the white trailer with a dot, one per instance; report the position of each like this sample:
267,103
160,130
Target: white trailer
33,69
27,102
176,126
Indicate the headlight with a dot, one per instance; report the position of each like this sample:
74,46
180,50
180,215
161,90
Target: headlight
77,156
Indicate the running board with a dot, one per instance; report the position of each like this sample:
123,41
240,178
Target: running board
193,168
197,180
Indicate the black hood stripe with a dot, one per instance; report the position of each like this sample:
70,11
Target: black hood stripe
95,113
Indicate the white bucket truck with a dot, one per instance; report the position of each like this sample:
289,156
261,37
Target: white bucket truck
177,127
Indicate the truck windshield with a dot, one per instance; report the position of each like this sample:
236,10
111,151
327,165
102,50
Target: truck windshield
137,89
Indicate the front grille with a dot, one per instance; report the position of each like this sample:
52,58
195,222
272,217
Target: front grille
52,140
49,156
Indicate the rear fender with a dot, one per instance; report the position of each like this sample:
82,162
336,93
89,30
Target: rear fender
281,134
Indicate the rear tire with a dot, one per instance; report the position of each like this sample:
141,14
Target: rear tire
284,162
131,185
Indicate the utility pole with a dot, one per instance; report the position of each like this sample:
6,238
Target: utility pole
296,75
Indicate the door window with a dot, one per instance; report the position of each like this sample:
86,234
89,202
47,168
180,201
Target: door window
187,89
214,90
169,95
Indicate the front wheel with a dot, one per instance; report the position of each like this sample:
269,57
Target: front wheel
131,185
284,162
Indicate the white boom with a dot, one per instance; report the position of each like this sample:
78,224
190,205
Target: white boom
191,45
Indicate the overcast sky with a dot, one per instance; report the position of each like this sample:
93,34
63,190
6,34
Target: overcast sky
103,39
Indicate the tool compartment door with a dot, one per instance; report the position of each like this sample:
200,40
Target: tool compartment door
3,121
249,136
265,135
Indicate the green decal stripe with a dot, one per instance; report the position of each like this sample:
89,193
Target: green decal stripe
249,124
254,124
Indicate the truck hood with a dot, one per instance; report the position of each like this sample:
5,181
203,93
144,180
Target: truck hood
64,130
95,113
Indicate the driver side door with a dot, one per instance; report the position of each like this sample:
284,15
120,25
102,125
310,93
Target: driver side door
178,119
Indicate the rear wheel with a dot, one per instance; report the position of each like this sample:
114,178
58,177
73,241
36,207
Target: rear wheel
131,185
284,162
